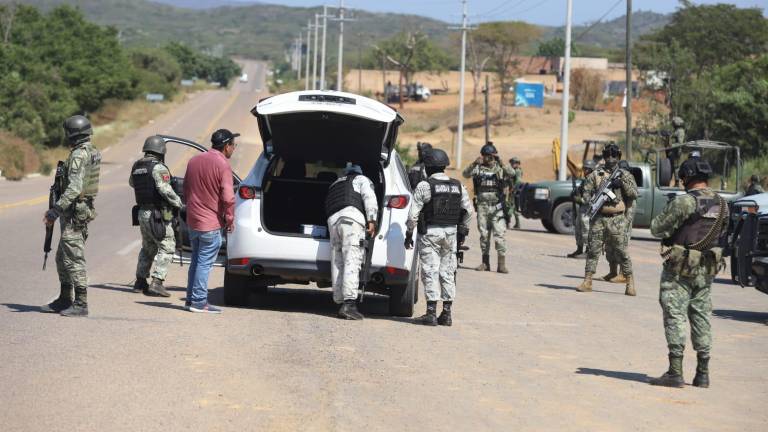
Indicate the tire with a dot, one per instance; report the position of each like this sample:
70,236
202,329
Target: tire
403,297
562,218
236,289
548,225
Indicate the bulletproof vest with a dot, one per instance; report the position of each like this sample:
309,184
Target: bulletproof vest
696,227
486,181
444,207
90,172
144,187
341,194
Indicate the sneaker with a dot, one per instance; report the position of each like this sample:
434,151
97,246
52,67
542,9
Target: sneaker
206,308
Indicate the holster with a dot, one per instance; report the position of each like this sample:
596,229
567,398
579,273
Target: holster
157,224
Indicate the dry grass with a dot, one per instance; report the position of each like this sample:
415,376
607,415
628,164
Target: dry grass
17,156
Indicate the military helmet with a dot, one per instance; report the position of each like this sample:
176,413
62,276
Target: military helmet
77,126
421,146
677,121
611,150
514,159
154,144
436,158
694,168
589,164
488,149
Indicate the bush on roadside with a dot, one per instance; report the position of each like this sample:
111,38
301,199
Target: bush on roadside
17,156
587,88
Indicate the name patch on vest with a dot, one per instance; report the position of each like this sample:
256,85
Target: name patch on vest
447,188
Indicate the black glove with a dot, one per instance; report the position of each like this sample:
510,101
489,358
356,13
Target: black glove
408,243
616,182
52,214
461,235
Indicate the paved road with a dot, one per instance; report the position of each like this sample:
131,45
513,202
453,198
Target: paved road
526,352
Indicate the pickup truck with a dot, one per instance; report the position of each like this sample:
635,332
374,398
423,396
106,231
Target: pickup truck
551,200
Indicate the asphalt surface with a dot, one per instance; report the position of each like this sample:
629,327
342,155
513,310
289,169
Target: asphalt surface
526,351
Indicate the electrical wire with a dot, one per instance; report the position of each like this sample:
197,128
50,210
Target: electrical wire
599,20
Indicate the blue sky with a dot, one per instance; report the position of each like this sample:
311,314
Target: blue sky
547,12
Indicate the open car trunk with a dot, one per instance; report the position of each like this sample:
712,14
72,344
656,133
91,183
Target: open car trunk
294,193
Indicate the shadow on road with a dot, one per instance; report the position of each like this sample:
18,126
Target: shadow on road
15,307
559,287
113,287
627,376
162,305
746,316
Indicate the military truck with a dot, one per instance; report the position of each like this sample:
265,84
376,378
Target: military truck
748,241
551,201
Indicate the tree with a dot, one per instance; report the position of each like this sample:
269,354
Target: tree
555,48
478,59
504,41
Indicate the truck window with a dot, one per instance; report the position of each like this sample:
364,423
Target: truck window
637,173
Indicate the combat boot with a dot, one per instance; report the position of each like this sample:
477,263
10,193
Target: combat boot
586,284
672,377
702,371
618,279
630,290
612,273
349,311
140,285
156,289
445,316
579,251
79,307
62,302
486,265
501,266
429,318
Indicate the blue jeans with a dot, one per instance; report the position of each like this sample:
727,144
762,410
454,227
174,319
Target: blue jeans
205,248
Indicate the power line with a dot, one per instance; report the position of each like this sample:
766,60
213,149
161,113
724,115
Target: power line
499,7
599,20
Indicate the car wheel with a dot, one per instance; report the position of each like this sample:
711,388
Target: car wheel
548,225
562,218
236,289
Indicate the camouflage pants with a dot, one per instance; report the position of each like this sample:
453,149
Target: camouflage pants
437,254
490,221
581,225
611,254
610,232
153,250
347,257
683,300
70,255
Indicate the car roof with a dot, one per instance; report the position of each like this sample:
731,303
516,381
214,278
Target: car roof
329,101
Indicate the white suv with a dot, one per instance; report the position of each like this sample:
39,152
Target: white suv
281,234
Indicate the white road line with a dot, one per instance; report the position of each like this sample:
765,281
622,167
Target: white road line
127,249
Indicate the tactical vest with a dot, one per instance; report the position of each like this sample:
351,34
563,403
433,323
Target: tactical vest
696,227
90,175
486,182
444,206
341,194
144,187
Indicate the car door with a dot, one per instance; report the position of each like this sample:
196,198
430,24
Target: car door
177,182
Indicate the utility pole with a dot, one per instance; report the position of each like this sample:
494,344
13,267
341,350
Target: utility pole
566,95
359,63
322,56
629,82
340,73
309,51
487,114
301,53
460,132
314,64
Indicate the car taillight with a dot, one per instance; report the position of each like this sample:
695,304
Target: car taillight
397,201
239,261
248,192
394,271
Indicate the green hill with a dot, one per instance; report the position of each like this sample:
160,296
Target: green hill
611,34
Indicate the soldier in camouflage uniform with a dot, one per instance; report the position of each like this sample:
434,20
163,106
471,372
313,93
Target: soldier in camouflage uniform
691,226
490,178
754,187
352,211
79,188
609,225
612,255
678,134
417,173
447,209
514,180
157,203
581,221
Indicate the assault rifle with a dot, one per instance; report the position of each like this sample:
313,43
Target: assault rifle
53,196
604,194
365,269
176,226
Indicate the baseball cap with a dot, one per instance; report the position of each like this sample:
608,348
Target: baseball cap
222,137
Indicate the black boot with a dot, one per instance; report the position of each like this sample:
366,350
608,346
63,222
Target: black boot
349,311
445,316
579,251
156,289
429,318
486,265
702,371
62,302
79,307
672,377
140,285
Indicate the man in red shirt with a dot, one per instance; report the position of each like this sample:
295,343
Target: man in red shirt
210,201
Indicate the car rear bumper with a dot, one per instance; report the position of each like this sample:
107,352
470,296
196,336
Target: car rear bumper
307,271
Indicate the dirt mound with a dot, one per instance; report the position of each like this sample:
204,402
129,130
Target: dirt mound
17,157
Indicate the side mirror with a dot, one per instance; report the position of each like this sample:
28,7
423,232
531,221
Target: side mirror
664,171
